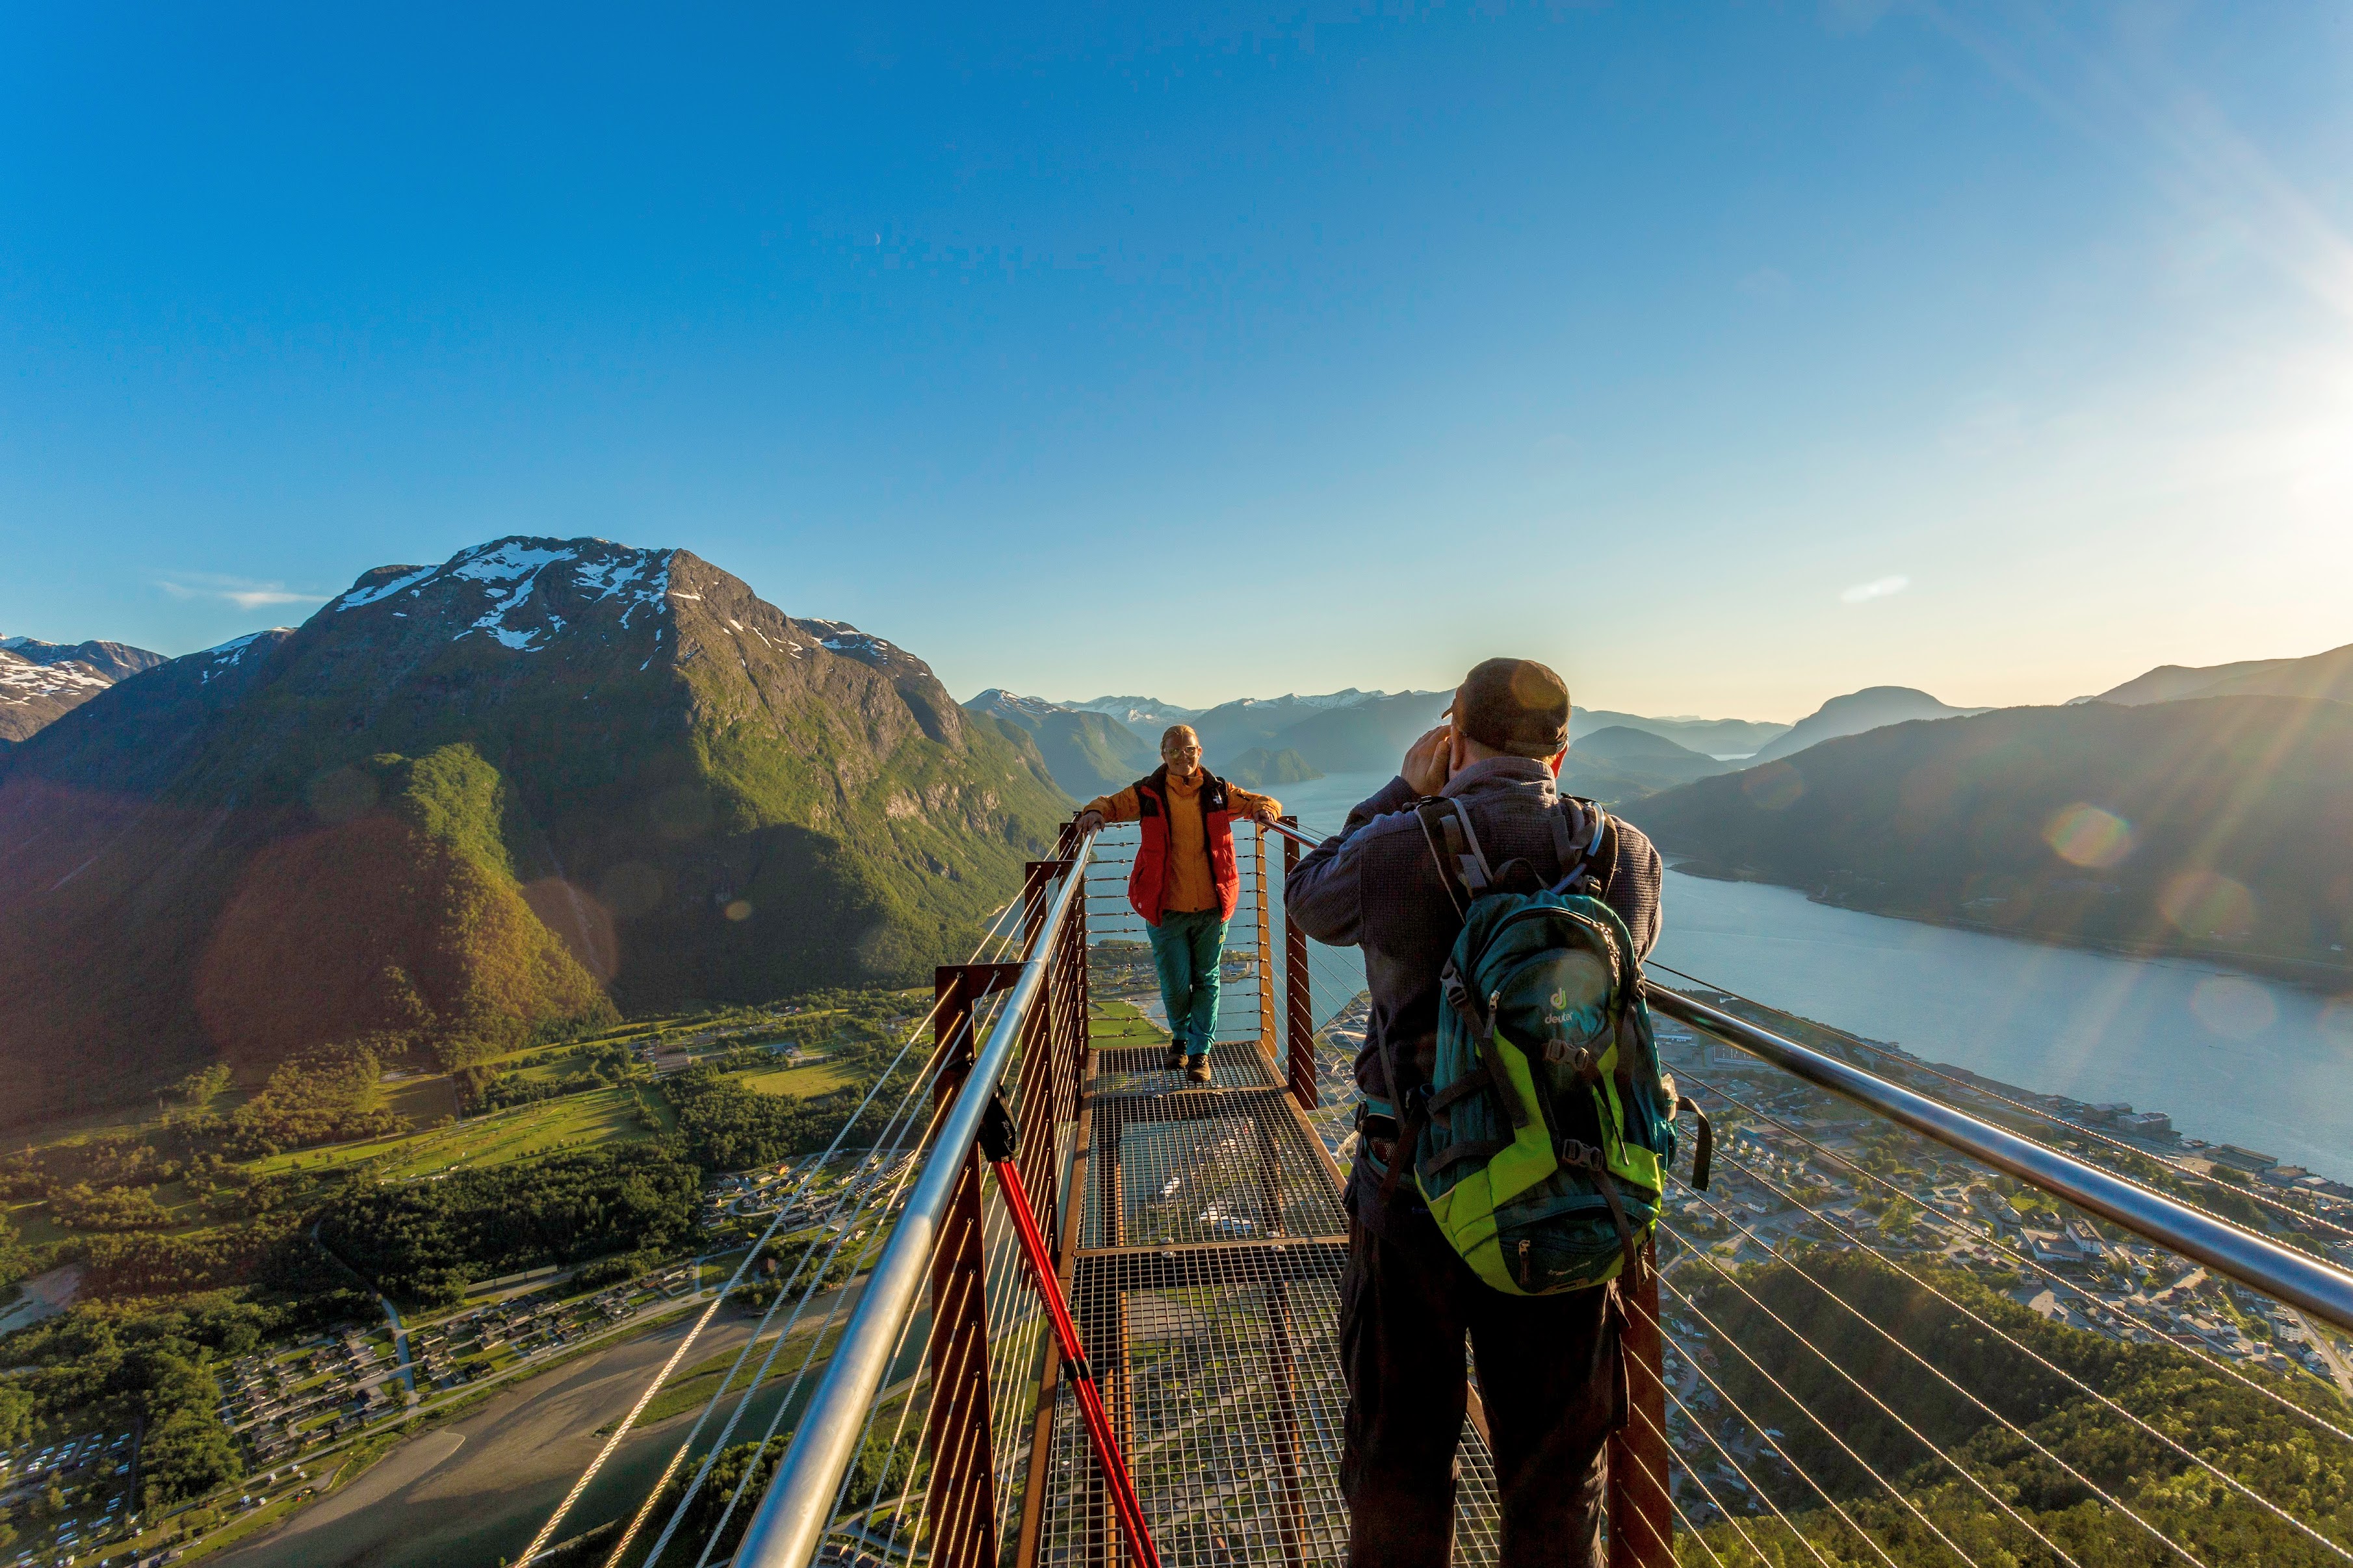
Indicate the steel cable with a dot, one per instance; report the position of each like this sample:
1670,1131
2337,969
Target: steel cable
547,1531
899,1181
996,934
1960,1227
1991,1495
1828,1431
1917,1436
2228,1481
1914,1063
1746,1479
1996,1243
874,1166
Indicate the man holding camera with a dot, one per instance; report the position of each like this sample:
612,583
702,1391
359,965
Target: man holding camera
1550,1375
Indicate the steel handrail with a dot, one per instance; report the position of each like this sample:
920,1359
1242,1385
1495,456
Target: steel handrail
1305,840
2256,1261
798,1503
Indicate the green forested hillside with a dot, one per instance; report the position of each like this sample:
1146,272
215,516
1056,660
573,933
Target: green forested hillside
1259,768
2221,825
463,803
1088,753
2067,1391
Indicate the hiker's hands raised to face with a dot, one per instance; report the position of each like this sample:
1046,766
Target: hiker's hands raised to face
1429,761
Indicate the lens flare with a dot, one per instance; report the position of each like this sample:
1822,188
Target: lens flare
2084,835
2234,1008
740,909
1776,786
2207,904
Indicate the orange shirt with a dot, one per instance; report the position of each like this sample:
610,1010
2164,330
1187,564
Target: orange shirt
1190,886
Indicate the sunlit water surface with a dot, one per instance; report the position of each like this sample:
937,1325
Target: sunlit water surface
2231,1058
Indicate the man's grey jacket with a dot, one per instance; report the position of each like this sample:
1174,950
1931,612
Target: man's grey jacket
1378,887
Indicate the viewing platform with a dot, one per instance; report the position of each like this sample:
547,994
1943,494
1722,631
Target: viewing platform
1891,1327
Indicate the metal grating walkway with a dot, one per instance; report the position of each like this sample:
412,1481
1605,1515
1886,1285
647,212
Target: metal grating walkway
1207,1285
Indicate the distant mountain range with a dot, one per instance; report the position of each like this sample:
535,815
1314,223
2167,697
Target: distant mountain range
465,802
1366,731
1089,753
1873,707
1146,716
2219,825
1261,769
40,683
2327,676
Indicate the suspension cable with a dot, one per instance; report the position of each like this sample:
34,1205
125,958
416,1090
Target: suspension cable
992,939
2023,1261
893,1178
1904,1060
2230,1481
1921,1438
1827,1430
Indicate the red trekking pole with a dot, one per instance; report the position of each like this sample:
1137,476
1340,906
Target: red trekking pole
998,1139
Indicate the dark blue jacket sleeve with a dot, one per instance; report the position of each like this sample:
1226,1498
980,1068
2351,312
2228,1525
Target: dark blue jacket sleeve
1324,891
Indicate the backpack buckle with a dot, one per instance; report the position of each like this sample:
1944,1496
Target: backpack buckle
1579,1156
1579,1059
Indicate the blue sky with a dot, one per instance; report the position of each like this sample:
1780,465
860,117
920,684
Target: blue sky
1729,357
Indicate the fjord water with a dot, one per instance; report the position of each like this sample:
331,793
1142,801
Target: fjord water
2231,1058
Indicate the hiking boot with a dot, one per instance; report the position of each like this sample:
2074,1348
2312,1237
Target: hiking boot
1175,1062
1198,1069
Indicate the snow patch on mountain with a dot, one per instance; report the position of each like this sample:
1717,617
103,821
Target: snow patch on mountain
359,597
21,679
509,571
222,658
996,700
841,637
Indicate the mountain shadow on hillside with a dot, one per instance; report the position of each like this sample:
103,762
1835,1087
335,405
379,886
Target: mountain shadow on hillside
2220,826
503,795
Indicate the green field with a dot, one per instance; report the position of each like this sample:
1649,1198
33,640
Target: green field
599,1116
1120,1026
817,1078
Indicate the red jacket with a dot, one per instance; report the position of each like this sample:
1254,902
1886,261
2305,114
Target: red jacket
1147,880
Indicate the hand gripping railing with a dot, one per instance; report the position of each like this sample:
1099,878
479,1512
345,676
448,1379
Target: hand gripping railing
2253,1260
794,1514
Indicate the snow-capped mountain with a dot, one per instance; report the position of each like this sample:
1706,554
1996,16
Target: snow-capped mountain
40,683
467,799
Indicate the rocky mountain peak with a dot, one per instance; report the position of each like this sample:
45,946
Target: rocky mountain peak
522,592
1004,704
40,683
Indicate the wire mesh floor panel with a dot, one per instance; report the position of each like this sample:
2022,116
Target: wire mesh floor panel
1205,1165
1229,1398
1238,1064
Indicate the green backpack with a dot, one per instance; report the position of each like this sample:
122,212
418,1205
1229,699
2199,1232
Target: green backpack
1546,1127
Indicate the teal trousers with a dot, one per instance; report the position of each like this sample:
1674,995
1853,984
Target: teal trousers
1185,947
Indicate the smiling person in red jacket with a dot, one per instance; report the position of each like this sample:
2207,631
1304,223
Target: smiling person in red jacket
1185,882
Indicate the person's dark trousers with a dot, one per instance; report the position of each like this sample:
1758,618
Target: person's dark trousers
1549,1374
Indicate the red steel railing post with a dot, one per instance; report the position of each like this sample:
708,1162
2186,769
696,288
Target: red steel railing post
1641,1516
1299,1010
1265,942
960,1498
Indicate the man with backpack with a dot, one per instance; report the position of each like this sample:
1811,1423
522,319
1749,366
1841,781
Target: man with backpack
1514,1124
1185,882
